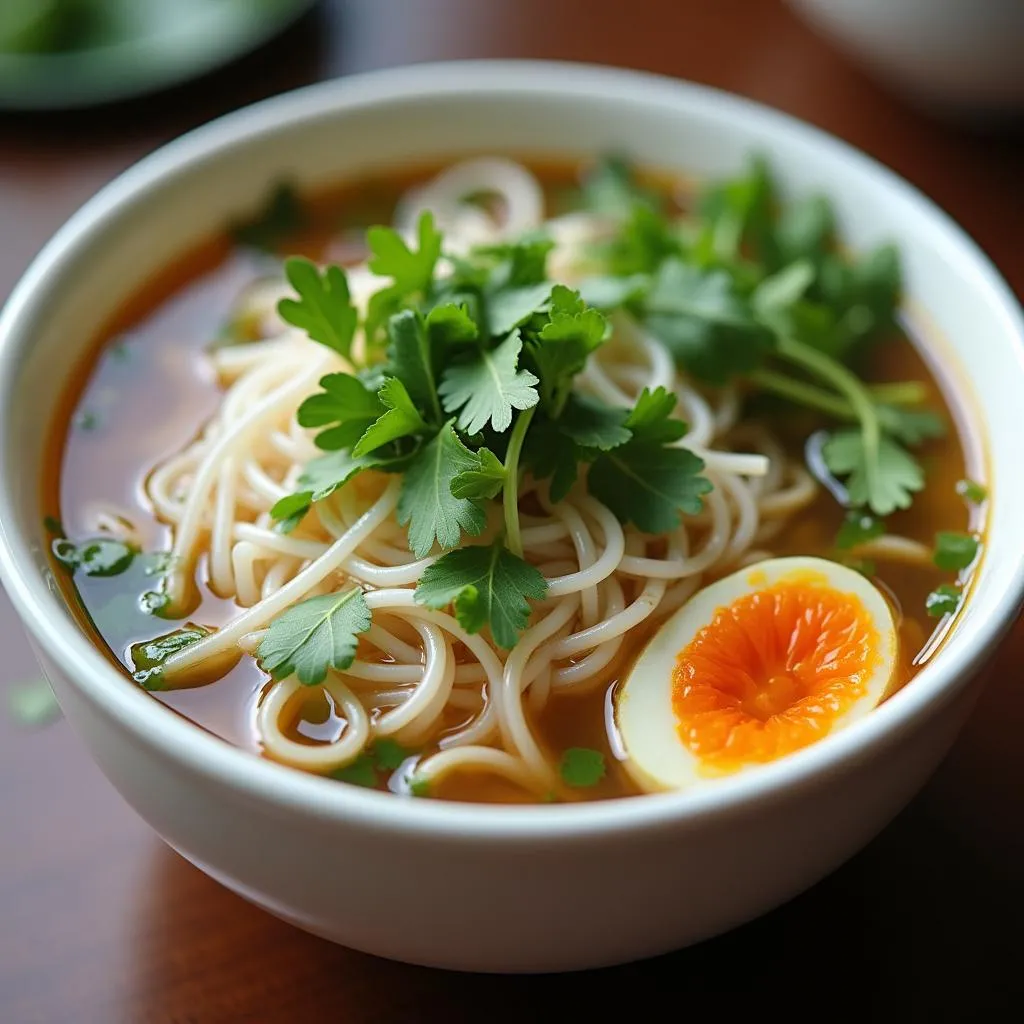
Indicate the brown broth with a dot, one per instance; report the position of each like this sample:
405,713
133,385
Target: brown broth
144,390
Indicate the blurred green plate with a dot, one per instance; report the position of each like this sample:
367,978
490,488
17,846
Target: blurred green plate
63,54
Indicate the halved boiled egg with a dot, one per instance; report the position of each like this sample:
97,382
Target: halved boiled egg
754,667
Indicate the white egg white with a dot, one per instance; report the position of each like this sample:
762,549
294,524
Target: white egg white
657,756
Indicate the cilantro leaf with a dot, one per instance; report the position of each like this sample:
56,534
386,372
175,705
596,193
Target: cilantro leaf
520,262
707,327
401,419
485,480
411,270
426,502
290,510
488,387
345,405
451,324
552,453
650,419
911,426
324,308
607,292
581,767
592,424
644,241
805,230
488,585
738,212
282,216
943,600
858,527
884,483
649,484
314,636
954,550
413,361
610,187
507,308
321,478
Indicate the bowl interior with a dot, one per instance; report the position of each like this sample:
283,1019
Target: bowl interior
191,189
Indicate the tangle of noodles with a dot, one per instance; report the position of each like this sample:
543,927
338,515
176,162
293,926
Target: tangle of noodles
418,669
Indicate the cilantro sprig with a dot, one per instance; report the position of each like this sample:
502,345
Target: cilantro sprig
463,383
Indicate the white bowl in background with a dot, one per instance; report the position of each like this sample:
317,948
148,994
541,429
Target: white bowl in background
966,56
490,887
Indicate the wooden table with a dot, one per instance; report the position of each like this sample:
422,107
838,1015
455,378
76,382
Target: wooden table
100,923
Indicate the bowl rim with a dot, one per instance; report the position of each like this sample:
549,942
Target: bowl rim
174,737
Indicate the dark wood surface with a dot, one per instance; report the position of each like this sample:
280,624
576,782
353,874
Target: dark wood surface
100,923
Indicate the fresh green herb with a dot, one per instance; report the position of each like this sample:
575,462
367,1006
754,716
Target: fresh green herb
487,387
419,787
647,480
954,551
324,307
346,407
33,704
882,476
388,755
411,270
384,755
361,772
582,768
704,322
400,419
971,491
282,216
86,421
147,658
314,636
101,557
426,502
858,528
484,481
610,187
488,586
943,600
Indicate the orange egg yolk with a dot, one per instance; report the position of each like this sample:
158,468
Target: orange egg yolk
771,673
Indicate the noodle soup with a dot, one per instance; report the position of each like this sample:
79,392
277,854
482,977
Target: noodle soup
464,518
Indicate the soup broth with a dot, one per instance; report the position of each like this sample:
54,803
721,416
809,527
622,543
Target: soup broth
149,387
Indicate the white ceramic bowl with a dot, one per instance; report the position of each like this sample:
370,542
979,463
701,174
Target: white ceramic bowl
490,887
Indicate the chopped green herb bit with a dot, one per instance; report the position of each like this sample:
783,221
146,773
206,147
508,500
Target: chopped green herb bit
388,754
53,525
86,421
943,600
360,772
314,636
954,550
33,704
147,657
100,557
971,491
419,786
858,527
582,768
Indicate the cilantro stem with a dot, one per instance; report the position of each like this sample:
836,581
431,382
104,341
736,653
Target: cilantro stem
510,497
802,393
904,392
850,387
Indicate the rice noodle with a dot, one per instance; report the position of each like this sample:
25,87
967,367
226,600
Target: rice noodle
416,664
